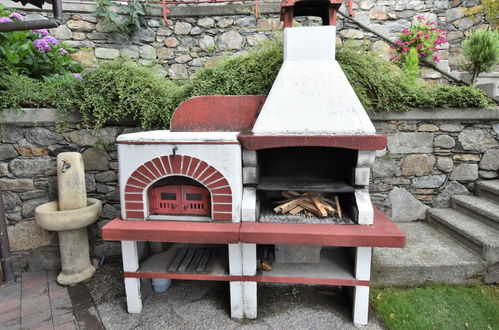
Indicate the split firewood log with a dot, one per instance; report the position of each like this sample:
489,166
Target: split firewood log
309,204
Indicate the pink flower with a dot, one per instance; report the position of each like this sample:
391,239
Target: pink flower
419,47
393,58
16,16
5,20
43,32
62,51
436,58
41,44
405,31
405,49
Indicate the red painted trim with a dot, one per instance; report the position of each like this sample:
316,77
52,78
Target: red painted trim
383,233
217,113
245,278
171,231
358,142
176,142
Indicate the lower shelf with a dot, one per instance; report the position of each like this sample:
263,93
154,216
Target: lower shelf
335,268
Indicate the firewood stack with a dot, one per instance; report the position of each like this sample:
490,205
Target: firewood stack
309,204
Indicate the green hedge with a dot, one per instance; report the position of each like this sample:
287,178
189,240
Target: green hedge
121,89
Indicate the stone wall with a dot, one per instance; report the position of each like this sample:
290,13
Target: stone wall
430,156
201,33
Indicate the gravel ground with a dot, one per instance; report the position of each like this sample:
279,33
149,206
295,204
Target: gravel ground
205,305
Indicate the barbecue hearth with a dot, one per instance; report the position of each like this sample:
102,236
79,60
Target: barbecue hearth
206,186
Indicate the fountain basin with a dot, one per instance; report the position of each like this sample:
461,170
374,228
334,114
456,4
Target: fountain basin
49,217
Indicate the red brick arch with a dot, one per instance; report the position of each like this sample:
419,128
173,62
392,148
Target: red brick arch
164,166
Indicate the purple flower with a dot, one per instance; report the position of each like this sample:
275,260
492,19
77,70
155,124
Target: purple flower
77,76
51,40
41,44
5,20
62,51
17,16
42,32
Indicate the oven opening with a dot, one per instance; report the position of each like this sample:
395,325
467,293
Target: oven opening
181,196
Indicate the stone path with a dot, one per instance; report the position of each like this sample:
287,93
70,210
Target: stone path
36,302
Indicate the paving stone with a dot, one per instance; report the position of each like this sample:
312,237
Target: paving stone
107,176
61,32
36,290
27,235
14,324
39,318
384,167
107,53
246,21
352,34
35,305
182,28
64,318
86,57
178,72
428,128
44,259
144,35
66,326
80,26
29,206
147,52
207,43
467,157
9,293
86,138
165,53
451,127
61,305
206,22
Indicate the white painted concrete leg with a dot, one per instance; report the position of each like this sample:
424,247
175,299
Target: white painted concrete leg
360,304
363,263
132,285
249,300
133,297
236,300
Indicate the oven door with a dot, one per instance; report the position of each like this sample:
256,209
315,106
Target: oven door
195,200
166,200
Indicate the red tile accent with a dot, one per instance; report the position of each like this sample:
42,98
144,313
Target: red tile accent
222,207
222,199
142,169
133,189
200,170
136,182
139,176
185,164
135,214
225,190
194,163
211,170
176,164
159,165
164,160
133,197
221,183
134,206
215,177
152,169
222,216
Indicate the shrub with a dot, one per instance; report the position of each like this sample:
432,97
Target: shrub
249,74
33,53
411,65
121,89
481,49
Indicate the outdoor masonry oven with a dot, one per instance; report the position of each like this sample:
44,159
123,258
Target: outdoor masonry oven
239,181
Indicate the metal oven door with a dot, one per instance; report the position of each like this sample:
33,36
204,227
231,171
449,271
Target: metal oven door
195,200
166,200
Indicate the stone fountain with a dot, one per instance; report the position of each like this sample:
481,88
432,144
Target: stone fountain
70,216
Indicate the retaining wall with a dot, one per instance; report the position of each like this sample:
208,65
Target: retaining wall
430,156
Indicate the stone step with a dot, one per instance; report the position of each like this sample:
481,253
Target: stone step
473,233
488,189
430,256
478,208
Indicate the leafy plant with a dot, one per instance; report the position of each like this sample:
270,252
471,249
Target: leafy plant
423,36
490,8
481,49
33,53
130,20
411,65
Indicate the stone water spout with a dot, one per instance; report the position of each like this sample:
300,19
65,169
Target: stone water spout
70,216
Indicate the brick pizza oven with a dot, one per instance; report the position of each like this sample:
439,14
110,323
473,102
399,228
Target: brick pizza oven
209,185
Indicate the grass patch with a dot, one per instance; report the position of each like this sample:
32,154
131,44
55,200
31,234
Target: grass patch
438,306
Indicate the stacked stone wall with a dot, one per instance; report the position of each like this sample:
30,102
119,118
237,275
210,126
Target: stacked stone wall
430,156
199,34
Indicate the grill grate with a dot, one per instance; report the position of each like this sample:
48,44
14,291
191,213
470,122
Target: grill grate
268,215
193,261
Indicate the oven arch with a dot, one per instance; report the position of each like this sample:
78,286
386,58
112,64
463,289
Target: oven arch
180,165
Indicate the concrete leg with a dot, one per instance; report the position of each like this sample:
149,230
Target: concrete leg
236,300
242,261
132,285
249,288
360,304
